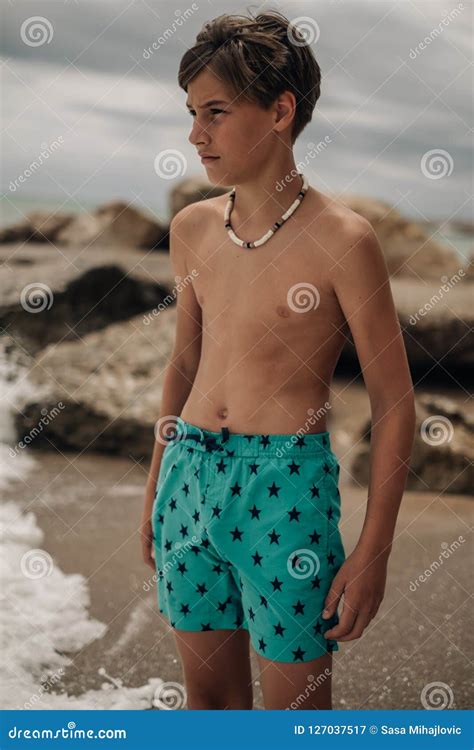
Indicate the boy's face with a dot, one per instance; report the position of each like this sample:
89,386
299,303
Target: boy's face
239,133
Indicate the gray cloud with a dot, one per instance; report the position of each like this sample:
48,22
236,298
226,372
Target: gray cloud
115,110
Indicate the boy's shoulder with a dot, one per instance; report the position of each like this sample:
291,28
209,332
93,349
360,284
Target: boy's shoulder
338,229
196,213
334,217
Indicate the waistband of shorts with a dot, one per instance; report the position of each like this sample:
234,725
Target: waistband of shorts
249,445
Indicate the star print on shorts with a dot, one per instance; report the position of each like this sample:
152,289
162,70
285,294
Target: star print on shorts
246,535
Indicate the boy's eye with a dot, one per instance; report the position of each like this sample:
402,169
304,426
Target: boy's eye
214,111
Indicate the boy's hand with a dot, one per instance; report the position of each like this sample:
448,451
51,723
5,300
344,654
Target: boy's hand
361,578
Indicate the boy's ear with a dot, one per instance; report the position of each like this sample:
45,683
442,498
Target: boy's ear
285,109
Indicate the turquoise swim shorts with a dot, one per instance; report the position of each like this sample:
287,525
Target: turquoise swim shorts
246,535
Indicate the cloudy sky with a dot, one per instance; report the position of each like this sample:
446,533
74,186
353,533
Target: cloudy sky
77,84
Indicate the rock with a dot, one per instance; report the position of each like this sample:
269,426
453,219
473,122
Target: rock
470,268
192,190
102,392
407,247
115,224
38,226
49,297
443,449
437,324
465,227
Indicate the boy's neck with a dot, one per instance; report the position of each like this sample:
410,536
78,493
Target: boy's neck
263,199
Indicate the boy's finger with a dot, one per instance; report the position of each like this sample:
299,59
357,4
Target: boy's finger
358,627
333,598
345,624
149,561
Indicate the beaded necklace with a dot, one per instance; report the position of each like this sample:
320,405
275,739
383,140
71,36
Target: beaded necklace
274,228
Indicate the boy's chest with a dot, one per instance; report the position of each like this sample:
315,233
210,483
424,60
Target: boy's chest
261,285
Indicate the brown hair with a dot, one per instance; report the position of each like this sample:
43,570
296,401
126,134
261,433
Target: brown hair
256,57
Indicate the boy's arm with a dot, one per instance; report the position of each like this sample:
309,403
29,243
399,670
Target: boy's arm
361,282
184,360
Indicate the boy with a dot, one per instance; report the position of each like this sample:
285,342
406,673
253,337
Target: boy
242,505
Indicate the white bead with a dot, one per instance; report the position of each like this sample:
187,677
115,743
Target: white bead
271,231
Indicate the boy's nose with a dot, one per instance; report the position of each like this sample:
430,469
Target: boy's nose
198,135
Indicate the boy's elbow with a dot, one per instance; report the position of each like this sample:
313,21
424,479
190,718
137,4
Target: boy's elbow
395,403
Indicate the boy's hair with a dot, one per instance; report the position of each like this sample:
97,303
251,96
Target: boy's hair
257,58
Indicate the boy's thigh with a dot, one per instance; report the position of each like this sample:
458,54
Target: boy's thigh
216,663
297,686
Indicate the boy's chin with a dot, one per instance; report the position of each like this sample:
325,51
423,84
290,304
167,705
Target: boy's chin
219,179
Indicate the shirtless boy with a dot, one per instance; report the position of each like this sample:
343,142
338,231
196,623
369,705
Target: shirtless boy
242,505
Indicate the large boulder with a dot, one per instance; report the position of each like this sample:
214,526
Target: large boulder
443,449
48,296
37,226
470,268
114,224
408,248
437,324
102,392
192,190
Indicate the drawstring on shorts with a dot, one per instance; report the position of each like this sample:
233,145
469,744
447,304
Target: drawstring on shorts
210,441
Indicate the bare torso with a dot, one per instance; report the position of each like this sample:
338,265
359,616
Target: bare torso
272,327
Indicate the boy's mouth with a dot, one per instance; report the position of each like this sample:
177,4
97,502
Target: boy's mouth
208,157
